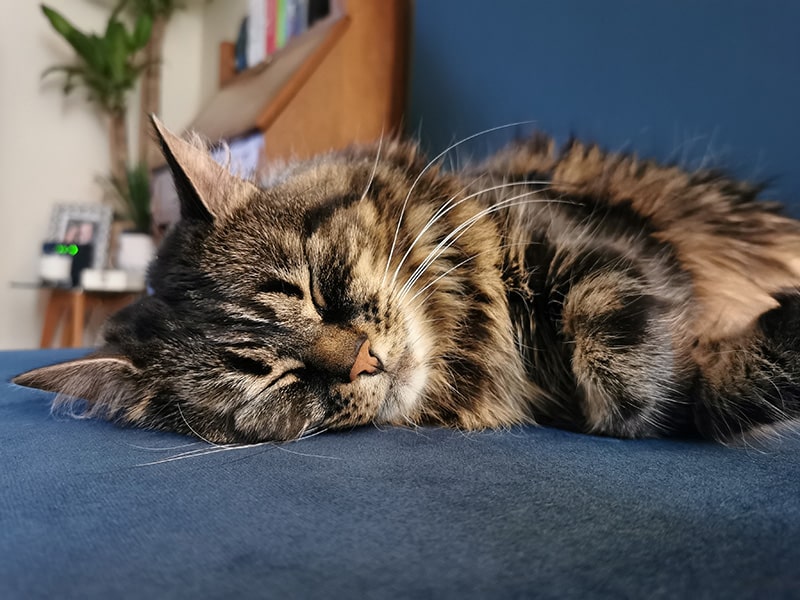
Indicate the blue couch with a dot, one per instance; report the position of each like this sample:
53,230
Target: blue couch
90,510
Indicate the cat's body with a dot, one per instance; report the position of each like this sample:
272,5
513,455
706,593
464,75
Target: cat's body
573,288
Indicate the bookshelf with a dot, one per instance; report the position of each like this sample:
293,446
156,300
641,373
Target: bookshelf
340,82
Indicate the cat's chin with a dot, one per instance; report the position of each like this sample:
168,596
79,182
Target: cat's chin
407,379
407,369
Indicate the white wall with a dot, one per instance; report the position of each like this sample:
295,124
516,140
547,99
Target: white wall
52,149
221,20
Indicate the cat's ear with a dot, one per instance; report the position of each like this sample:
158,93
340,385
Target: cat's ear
206,189
108,383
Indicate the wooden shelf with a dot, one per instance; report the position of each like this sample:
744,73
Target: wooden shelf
343,81
253,98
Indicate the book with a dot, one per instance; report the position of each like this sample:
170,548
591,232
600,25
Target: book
317,9
271,25
241,46
256,32
300,17
280,24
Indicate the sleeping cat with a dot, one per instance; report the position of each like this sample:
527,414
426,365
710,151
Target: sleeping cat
569,287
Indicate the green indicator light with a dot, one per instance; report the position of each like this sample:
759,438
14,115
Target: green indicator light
71,249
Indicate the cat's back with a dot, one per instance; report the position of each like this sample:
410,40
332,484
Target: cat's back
738,250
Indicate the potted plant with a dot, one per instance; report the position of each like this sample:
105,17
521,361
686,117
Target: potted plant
135,246
107,68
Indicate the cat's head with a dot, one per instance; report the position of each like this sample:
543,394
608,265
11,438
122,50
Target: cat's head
283,309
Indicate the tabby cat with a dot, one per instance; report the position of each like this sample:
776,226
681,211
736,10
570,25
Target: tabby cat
570,287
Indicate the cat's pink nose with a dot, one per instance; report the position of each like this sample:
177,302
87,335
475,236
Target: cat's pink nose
365,362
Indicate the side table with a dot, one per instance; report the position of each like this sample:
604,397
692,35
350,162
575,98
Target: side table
70,309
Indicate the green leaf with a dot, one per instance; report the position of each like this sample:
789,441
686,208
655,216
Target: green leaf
59,23
139,197
96,58
141,32
108,67
77,39
117,51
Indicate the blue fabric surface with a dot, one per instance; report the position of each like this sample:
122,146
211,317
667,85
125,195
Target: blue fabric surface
393,513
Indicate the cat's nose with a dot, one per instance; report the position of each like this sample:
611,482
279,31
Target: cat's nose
365,362
342,352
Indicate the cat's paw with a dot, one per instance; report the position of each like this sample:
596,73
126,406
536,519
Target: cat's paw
621,355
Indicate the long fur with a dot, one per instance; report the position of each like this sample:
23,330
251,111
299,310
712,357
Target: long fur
570,287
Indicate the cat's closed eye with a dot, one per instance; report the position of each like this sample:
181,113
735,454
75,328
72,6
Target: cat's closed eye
245,364
258,368
278,286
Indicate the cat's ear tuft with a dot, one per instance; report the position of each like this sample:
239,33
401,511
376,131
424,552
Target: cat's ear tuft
109,384
206,189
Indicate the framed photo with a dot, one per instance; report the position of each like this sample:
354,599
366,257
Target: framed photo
82,224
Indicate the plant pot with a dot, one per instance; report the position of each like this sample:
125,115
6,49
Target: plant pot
135,251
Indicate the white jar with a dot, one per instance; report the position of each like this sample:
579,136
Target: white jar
135,251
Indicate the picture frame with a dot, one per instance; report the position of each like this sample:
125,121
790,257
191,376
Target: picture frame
83,224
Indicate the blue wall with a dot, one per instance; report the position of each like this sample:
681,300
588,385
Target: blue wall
713,82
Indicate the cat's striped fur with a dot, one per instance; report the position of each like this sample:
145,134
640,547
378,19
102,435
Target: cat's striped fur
569,287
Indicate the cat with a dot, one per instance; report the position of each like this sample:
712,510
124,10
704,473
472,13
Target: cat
566,287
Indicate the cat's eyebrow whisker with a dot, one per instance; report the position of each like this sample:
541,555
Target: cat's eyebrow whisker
447,207
463,227
374,167
428,166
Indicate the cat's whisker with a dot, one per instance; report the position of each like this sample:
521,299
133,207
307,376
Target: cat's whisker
411,422
447,207
446,243
313,432
180,412
439,212
200,452
162,449
217,448
463,262
428,166
435,217
305,454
